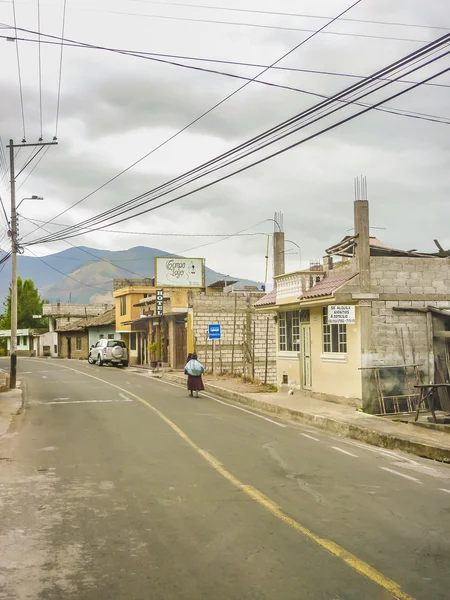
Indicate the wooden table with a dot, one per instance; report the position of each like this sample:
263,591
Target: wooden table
428,395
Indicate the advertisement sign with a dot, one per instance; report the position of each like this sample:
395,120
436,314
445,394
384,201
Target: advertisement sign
214,331
179,272
341,314
159,303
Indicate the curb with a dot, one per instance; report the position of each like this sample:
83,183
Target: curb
364,434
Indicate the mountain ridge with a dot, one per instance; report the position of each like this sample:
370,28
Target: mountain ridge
82,274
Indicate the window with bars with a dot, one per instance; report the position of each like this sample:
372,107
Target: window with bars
289,331
334,336
78,343
123,305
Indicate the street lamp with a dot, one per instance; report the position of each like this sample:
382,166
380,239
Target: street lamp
30,198
299,251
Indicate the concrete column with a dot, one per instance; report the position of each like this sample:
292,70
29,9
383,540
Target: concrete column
361,213
362,243
278,254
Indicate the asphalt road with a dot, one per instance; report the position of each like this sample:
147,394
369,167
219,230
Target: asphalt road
117,486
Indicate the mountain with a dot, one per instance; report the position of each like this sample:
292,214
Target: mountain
79,275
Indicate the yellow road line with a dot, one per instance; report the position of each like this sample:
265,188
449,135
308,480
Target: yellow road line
350,559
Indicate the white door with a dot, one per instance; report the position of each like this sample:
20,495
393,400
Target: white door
306,356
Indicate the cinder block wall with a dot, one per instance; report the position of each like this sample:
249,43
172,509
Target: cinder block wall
220,308
428,277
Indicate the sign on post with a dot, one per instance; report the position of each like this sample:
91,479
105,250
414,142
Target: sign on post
159,303
214,332
341,314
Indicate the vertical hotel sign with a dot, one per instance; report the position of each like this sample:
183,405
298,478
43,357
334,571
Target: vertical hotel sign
159,303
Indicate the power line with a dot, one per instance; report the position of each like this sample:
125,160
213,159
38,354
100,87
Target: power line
287,14
392,110
40,68
19,72
432,46
4,213
212,108
66,275
255,25
143,54
35,166
238,233
60,70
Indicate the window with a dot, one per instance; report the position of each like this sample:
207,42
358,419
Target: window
123,305
289,331
25,340
110,336
334,336
78,343
113,344
101,336
133,341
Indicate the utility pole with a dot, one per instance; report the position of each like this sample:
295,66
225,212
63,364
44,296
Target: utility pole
14,244
13,342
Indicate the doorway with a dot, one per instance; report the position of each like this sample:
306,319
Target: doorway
180,345
306,357
69,347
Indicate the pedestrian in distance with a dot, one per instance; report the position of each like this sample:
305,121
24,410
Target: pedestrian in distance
194,370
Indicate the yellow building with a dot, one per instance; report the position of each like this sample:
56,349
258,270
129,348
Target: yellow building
127,313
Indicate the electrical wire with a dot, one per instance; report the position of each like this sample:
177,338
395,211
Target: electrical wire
286,14
4,213
260,161
66,275
47,148
40,69
417,55
143,54
19,72
60,70
254,25
207,112
392,110
30,159
238,233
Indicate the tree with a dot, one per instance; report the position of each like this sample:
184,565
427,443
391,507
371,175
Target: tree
29,303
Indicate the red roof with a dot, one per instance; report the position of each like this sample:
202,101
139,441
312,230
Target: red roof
327,286
268,299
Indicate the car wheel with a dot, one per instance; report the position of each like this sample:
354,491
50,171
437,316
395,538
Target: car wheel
90,360
99,360
125,363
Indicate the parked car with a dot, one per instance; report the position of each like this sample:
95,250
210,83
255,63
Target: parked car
113,352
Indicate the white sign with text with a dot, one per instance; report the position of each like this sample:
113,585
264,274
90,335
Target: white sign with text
179,272
341,314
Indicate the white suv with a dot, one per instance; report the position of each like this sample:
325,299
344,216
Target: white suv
114,352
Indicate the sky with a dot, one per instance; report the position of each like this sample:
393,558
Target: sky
114,109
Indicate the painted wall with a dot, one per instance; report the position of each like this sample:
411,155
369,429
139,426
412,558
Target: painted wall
133,295
49,339
100,333
288,364
334,374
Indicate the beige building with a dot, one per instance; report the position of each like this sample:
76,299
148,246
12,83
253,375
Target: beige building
367,326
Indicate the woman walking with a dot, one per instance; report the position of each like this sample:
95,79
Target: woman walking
194,370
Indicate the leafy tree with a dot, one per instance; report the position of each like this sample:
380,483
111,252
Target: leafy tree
29,303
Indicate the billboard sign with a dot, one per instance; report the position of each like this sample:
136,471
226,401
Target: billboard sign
179,272
341,314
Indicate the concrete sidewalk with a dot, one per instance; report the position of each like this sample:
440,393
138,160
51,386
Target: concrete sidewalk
10,403
338,418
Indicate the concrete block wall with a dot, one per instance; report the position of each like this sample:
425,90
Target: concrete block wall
220,308
123,283
417,276
75,310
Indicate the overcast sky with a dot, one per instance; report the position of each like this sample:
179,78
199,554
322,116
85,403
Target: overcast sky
115,108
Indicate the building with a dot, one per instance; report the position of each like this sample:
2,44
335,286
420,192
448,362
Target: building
127,294
60,315
367,325
76,338
28,341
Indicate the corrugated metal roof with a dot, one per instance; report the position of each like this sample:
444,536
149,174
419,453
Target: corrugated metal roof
268,299
327,286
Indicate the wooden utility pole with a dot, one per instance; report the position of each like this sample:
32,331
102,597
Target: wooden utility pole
14,245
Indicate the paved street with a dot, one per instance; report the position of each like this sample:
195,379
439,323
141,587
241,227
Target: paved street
114,485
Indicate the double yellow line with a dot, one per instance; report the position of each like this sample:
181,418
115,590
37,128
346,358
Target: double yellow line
348,558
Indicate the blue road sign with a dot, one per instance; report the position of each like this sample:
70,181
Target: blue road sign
214,332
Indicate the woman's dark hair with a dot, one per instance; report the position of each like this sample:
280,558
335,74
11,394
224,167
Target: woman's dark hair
194,356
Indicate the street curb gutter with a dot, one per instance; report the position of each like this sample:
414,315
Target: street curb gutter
364,434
